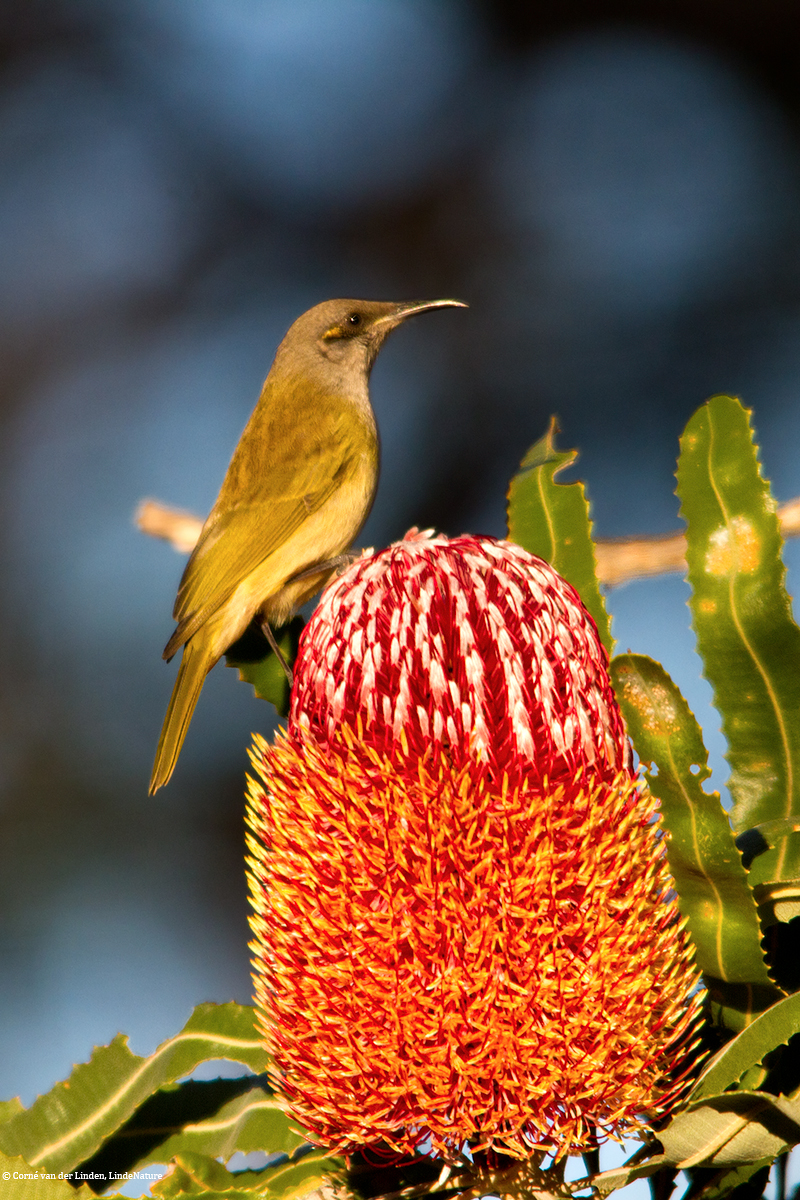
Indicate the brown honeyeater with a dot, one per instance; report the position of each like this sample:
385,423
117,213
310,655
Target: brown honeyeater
298,490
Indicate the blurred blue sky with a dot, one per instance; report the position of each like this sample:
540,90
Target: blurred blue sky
179,179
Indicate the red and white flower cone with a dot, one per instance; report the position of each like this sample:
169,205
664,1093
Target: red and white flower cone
464,928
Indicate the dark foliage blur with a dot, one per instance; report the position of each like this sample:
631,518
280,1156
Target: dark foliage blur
614,189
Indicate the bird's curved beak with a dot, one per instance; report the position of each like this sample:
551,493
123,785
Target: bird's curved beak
410,308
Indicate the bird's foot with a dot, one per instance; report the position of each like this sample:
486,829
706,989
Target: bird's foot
338,564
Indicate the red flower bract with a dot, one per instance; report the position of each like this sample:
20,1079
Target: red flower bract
464,926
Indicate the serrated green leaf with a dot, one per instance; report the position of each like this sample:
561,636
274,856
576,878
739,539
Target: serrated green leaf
298,1179
746,636
314,1173
771,1029
227,1193
211,1116
761,838
781,900
754,1078
608,1181
182,1180
776,865
184,1186
709,877
552,520
9,1109
21,1181
195,1174
724,1182
259,666
736,1127
199,1175
66,1126
253,1121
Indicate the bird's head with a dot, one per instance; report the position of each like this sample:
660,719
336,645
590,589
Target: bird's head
349,333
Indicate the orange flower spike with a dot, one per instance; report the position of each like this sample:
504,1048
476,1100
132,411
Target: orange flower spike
464,929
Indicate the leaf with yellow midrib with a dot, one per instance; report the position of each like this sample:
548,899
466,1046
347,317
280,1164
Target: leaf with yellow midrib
741,613
200,1175
67,1125
710,880
551,520
773,1028
21,1181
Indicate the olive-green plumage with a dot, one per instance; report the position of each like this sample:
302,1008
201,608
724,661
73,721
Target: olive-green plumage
298,489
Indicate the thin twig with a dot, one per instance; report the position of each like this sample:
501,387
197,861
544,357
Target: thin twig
174,525
619,560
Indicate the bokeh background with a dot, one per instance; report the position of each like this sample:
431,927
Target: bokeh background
613,187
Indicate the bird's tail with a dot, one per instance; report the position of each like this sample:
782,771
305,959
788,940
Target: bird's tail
191,676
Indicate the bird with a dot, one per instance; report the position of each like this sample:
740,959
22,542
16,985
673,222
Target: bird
298,489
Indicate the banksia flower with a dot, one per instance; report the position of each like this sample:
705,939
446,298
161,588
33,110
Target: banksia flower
465,932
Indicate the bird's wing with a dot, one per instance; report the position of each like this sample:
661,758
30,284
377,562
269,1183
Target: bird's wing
235,541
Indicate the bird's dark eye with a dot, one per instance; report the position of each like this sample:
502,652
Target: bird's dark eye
348,327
